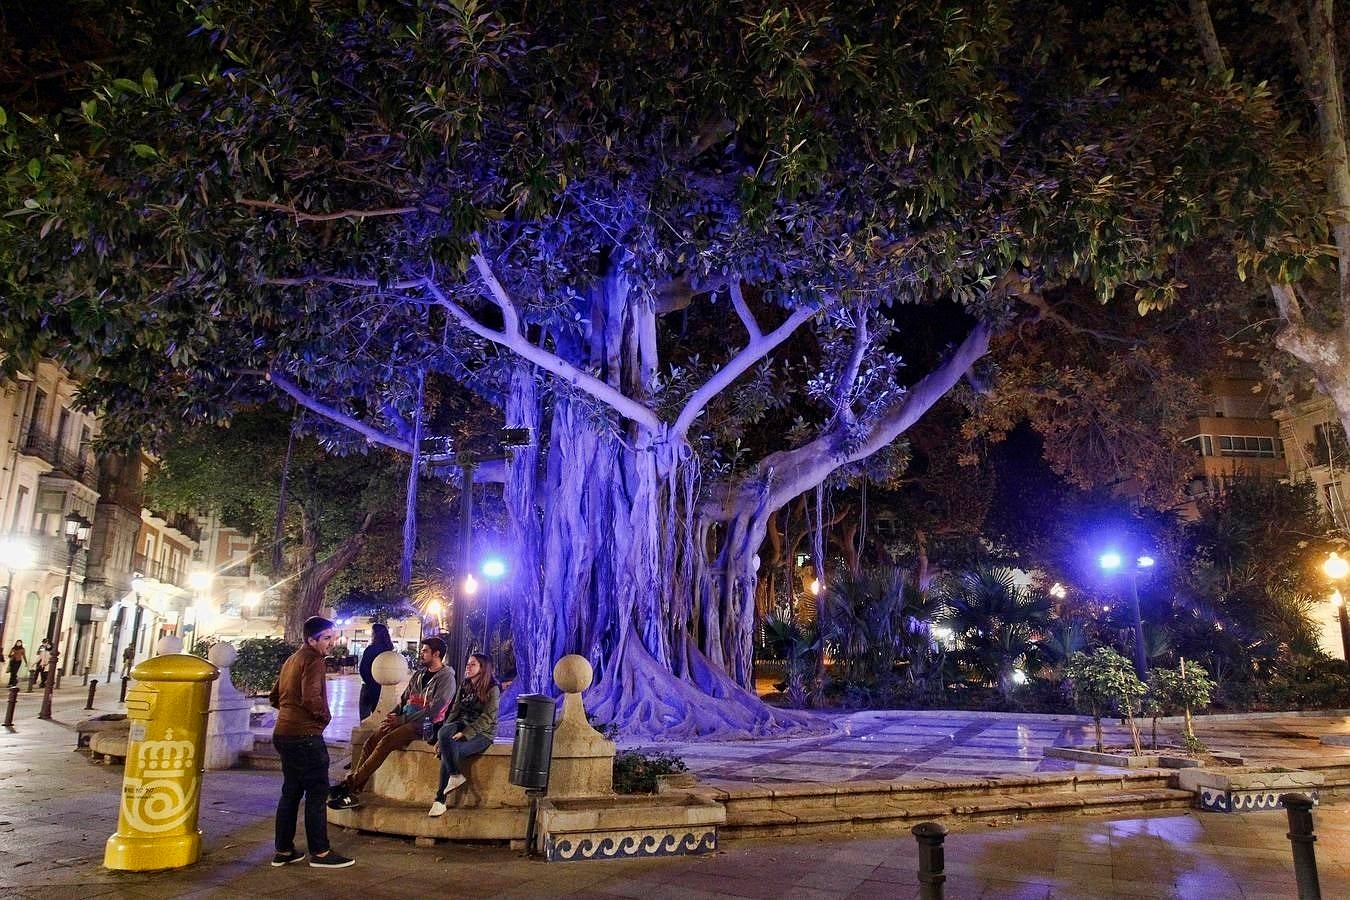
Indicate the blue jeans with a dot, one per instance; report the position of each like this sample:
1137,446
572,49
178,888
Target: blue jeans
453,753
304,770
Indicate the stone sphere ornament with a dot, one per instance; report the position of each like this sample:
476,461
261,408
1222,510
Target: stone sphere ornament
390,668
573,674
223,654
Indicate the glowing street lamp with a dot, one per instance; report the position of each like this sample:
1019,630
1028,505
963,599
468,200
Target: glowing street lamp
15,555
493,568
1111,562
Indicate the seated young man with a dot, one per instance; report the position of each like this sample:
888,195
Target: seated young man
427,697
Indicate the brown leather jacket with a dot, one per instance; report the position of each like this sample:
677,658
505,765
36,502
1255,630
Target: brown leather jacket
299,695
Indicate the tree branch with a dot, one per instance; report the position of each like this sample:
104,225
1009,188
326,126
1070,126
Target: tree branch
861,339
742,310
333,414
752,353
789,473
512,339
342,281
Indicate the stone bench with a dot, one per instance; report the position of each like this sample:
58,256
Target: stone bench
108,722
410,775
109,747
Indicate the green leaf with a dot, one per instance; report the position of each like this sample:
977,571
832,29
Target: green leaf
149,82
145,151
34,169
4,118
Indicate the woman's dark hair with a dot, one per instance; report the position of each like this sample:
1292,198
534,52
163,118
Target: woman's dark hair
379,636
482,682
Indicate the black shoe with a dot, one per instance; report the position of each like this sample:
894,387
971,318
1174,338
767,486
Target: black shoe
338,790
331,860
345,801
285,859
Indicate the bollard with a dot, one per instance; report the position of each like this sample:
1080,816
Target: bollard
1299,807
162,781
122,697
93,686
32,680
930,836
9,707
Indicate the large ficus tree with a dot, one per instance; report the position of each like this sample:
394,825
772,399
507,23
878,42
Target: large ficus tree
340,203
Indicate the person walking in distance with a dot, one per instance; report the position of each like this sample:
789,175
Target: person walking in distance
298,736
17,659
128,657
44,662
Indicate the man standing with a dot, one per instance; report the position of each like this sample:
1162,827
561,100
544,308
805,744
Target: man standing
44,661
421,710
128,657
298,736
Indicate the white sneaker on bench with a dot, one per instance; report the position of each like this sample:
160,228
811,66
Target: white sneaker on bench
437,810
455,782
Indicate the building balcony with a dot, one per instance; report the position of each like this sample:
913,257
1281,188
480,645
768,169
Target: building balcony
150,568
52,553
78,465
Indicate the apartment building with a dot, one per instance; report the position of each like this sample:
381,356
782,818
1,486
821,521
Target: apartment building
47,471
1235,436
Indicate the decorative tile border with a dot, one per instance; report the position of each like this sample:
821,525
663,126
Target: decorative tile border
1219,800
630,844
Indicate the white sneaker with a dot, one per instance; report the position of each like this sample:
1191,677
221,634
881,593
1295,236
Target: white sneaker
437,810
455,782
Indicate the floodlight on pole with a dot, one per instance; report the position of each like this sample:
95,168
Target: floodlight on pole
1112,561
493,567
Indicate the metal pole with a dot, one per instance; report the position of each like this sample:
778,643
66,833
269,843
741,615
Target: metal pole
46,711
1345,632
116,640
930,836
122,696
1140,659
1299,807
93,686
9,707
458,621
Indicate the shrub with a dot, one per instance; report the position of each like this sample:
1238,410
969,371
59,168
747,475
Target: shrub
1102,680
259,662
636,771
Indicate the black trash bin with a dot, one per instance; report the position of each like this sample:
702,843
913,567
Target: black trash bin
532,750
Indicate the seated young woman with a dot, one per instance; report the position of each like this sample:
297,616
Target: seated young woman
469,726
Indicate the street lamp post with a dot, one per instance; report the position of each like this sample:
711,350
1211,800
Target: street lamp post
492,569
1112,562
77,532
1336,569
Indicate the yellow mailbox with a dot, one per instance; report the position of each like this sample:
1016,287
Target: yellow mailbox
161,786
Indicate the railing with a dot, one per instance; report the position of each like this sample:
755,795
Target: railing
78,464
152,568
52,552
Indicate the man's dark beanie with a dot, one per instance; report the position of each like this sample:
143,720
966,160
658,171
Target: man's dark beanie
316,625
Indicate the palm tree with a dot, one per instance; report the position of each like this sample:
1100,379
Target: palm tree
998,623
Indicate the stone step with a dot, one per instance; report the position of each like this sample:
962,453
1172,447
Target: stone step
262,757
875,813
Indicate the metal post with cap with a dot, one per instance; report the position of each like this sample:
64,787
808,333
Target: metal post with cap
77,533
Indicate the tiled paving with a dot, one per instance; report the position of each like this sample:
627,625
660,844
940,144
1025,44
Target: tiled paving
920,745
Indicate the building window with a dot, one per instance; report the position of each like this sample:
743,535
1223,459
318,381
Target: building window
1242,445
1202,444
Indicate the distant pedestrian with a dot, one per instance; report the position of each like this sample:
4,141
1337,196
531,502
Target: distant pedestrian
17,658
44,662
380,642
128,657
298,736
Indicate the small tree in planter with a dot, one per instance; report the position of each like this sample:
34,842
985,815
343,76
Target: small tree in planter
1103,680
1186,687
